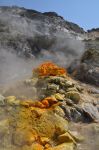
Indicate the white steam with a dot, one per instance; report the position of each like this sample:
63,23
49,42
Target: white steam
65,49
12,68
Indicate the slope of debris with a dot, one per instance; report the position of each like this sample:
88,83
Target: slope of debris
46,122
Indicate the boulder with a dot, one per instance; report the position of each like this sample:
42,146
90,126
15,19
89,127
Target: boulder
88,70
66,137
74,96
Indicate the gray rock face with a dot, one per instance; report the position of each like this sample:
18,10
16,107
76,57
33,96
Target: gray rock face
28,31
88,70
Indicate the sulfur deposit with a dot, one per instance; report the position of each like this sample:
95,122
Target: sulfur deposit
43,123
35,125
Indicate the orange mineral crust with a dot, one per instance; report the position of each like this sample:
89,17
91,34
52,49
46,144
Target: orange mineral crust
48,102
49,69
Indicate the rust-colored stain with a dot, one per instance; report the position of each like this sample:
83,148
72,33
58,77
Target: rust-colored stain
50,69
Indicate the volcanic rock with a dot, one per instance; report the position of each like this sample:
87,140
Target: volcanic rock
70,96
88,70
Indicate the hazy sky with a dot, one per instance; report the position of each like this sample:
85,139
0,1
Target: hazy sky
83,12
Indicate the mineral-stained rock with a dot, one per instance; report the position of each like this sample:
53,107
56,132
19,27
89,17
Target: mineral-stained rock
59,96
49,101
61,91
49,123
23,137
58,110
64,146
45,140
49,69
33,127
74,96
53,87
37,147
11,100
58,86
66,137
71,89
69,93
57,80
69,83
42,124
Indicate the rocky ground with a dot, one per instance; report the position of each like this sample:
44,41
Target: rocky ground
61,114
51,110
